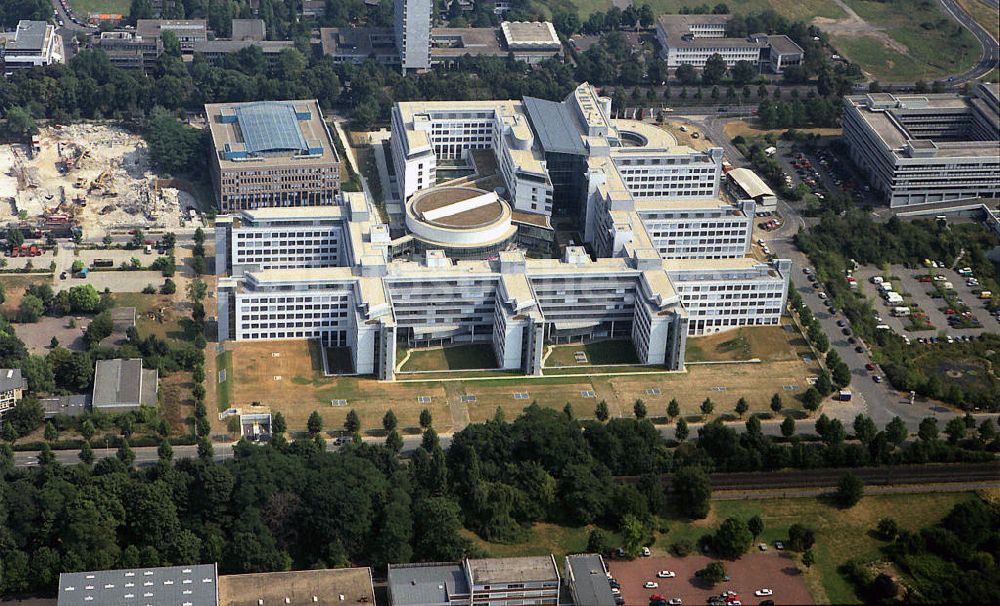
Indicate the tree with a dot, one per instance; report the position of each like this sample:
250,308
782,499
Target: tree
850,489
811,399
394,441
714,70
753,426
864,429
205,449
389,421
955,430
634,535
165,452
51,433
928,430
640,409
686,74
598,542
314,424
20,123
426,420
30,309
87,429
278,424
673,408
887,529
987,430
896,431
808,558
196,290
743,72
125,453
173,145
692,491
756,526
732,539
436,538
713,573
681,431
800,537
86,453
352,424
84,298
45,456
707,407
788,427
776,404
742,406
601,412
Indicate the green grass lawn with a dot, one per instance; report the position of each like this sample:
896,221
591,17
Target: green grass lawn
610,351
84,8
936,45
803,10
543,540
985,16
841,534
223,394
453,357
155,315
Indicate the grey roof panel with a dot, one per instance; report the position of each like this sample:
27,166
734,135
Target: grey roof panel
426,584
555,125
30,35
590,580
270,126
117,383
11,378
166,586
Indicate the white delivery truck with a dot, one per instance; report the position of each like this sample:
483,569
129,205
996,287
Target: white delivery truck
900,312
893,298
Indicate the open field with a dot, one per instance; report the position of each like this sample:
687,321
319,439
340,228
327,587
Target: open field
156,315
742,128
925,42
769,343
14,286
610,351
287,376
543,539
988,18
83,8
452,357
791,9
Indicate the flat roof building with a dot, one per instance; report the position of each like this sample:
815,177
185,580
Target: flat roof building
747,185
32,44
535,580
272,153
189,32
121,385
413,33
249,29
195,584
925,149
329,587
692,39
587,579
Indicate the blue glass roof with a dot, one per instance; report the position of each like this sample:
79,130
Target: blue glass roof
270,126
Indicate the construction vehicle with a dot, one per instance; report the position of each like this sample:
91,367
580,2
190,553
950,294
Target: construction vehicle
105,183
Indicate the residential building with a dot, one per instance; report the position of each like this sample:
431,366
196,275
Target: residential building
12,388
924,149
692,39
32,44
189,32
121,385
586,577
524,580
328,587
413,33
272,153
744,184
195,584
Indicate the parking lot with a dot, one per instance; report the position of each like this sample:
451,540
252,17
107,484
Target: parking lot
37,337
920,294
775,570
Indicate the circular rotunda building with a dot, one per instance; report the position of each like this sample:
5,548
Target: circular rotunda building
465,222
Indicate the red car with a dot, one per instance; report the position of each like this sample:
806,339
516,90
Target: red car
869,366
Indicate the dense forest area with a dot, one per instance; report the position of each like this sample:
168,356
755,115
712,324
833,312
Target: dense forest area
294,505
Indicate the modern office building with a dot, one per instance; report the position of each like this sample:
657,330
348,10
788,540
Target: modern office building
189,32
32,44
272,153
524,580
413,33
196,584
924,149
668,252
129,50
692,39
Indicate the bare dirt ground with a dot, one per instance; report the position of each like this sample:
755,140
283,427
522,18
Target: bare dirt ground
855,26
127,195
756,570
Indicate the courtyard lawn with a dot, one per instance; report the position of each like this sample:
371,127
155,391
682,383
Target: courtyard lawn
933,44
452,357
223,393
769,343
156,315
598,353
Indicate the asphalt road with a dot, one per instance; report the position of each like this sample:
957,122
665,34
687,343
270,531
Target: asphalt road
68,30
991,49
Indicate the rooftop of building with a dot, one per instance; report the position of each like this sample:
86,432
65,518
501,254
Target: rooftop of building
590,580
11,378
249,29
232,46
460,41
783,44
530,34
75,405
291,213
426,584
301,587
123,382
458,207
635,134
357,41
497,570
194,584
650,205
275,132
30,36
750,182
154,27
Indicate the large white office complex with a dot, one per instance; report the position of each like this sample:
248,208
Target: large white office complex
692,39
663,255
923,149
32,44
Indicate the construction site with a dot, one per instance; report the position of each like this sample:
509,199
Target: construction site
93,178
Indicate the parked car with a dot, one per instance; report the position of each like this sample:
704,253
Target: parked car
651,585
760,593
666,574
